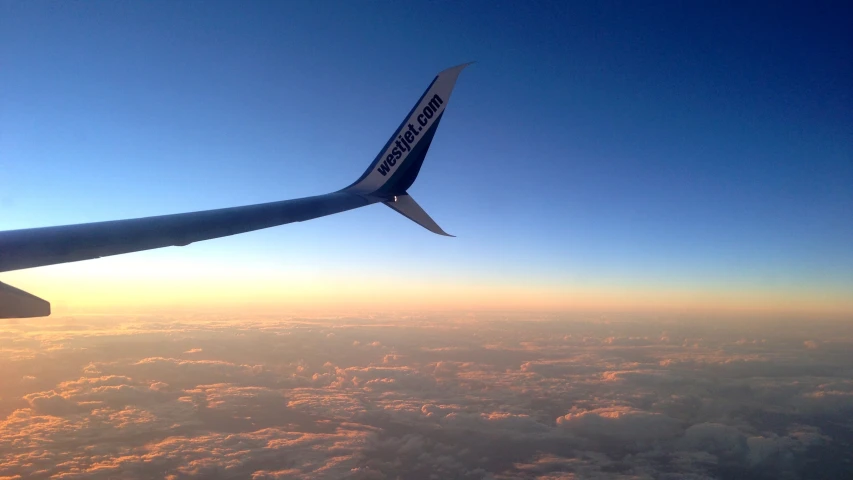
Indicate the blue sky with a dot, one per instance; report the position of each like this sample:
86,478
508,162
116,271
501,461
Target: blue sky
618,144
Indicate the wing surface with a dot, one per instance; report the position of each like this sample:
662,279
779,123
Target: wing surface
37,247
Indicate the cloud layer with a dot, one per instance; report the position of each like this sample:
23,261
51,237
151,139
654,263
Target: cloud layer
414,397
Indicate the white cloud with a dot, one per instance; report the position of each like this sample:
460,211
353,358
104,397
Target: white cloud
450,399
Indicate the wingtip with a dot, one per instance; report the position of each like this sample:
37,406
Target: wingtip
434,228
457,68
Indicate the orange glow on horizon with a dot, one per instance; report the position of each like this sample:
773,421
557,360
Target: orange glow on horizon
109,292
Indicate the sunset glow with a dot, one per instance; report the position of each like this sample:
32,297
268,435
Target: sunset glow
651,275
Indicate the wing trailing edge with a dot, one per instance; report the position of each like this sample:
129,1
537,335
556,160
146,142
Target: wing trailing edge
16,303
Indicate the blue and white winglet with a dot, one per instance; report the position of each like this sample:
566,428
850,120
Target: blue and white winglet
386,180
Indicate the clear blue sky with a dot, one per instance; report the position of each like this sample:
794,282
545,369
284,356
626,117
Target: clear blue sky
673,143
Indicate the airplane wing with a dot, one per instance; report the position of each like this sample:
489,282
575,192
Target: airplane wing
37,247
386,180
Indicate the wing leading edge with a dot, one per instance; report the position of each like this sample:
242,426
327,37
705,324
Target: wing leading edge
386,180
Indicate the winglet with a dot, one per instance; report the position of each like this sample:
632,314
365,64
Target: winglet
409,208
394,170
